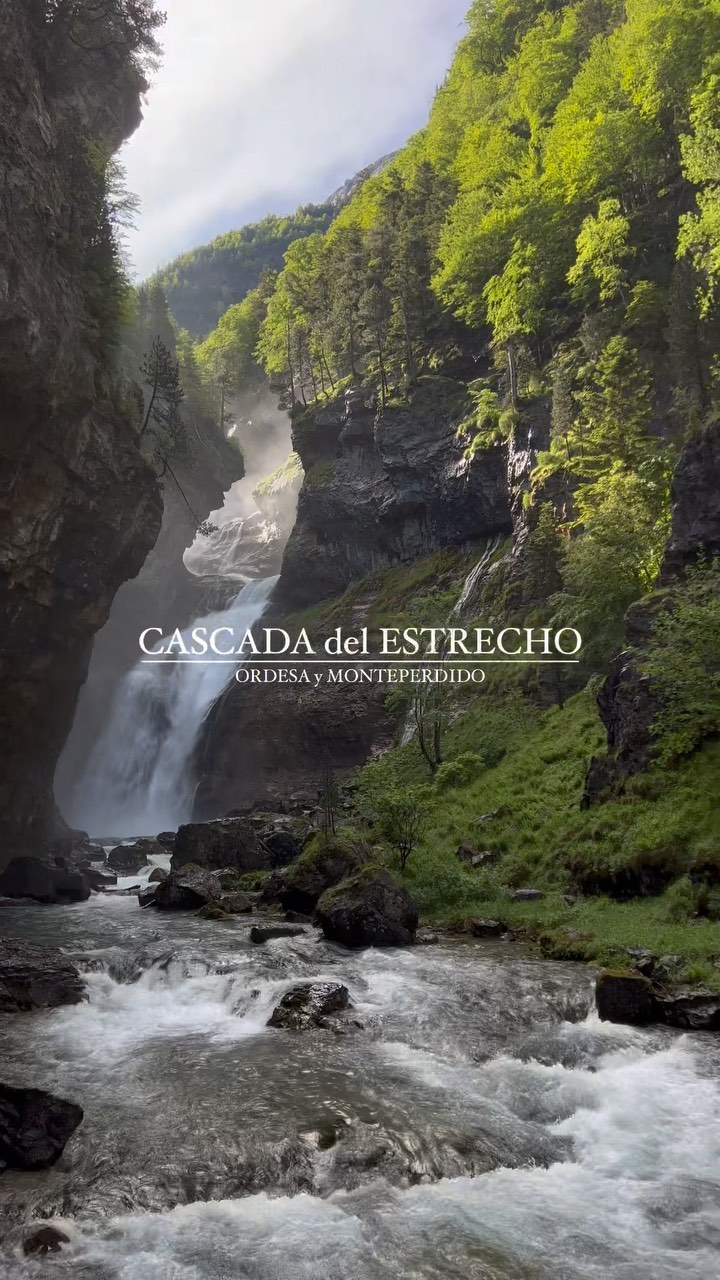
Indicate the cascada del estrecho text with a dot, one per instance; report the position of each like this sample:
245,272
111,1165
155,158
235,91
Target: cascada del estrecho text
441,643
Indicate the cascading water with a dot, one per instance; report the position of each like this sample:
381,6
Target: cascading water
140,779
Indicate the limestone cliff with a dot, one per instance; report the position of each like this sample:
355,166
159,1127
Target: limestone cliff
380,489
79,508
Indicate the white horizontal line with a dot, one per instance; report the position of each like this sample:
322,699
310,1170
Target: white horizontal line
362,662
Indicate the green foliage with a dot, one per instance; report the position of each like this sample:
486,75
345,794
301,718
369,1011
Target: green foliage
599,272
459,772
203,284
683,662
680,900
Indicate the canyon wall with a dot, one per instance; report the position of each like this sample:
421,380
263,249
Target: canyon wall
79,507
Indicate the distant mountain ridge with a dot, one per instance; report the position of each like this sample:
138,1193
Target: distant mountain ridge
201,284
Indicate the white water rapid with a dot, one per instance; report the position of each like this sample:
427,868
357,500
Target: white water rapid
480,1123
140,779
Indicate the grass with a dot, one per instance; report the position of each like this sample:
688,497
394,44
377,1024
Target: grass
668,822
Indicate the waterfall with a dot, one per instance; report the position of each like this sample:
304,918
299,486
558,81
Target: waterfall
140,778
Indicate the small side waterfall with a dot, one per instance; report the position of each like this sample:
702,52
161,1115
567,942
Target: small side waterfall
140,779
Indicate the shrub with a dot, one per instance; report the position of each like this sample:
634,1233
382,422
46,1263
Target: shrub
680,901
459,772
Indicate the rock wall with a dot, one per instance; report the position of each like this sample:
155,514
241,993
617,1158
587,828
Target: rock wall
380,490
386,489
79,508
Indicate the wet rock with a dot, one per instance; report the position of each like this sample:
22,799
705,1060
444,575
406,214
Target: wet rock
36,978
369,910
625,997
167,840
528,895
188,889
34,1127
43,1240
483,928
157,876
266,932
99,879
213,911
146,897
300,886
691,1010
43,881
426,938
236,904
311,1005
260,842
297,917
128,859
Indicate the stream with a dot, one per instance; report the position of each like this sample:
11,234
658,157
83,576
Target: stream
479,1123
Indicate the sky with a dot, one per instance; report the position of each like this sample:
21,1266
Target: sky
262,105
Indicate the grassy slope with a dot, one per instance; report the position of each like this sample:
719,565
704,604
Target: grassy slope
669,819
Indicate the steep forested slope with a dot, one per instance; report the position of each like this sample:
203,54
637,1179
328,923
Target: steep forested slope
201,284
541,260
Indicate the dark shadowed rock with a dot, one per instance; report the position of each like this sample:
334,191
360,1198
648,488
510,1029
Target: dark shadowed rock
157,876
99,879
212,911
625,997
34,1127
167,840
482,928
187,890
528,895
258,842
146,897
236,904
43,1240
312,1004
128,859
266,932
300,886
36,978
43,881
691,1010
369,910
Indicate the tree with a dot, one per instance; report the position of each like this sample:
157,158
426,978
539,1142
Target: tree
328,797
514,301
603,252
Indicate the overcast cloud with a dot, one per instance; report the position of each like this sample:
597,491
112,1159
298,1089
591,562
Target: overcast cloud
261,105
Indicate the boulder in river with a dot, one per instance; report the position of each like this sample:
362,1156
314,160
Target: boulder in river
312,1004
99,880
236,904
690,1010
258,843
157,876
146,897
627,998
128,859
482,928
324,864
36,978
188,889
29,877
167,840
34,1127
42,1239
369,910
267,932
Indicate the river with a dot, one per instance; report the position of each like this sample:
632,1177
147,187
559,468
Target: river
480,1123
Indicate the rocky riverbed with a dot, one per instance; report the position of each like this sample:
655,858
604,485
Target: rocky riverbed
459,1111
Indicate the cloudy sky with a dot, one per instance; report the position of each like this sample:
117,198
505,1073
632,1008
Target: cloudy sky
261,105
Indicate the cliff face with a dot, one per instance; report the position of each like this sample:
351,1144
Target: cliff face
386,490
380,490
626,702
79,508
